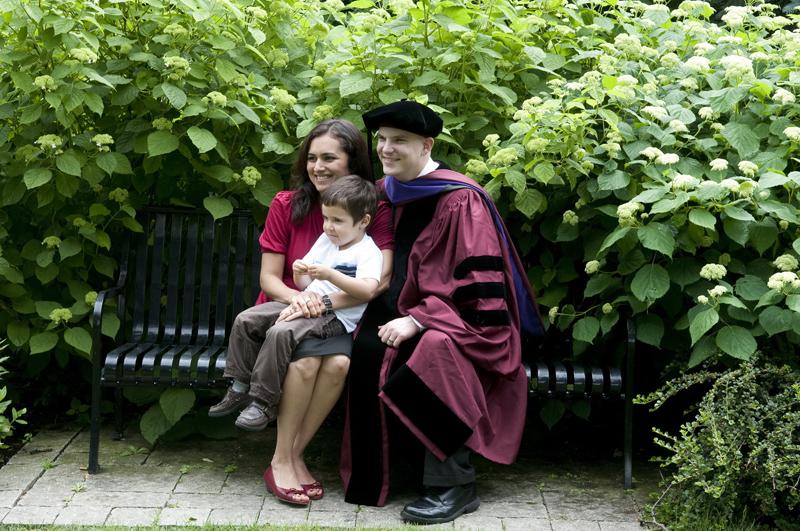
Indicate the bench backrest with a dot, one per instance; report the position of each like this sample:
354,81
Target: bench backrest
188,276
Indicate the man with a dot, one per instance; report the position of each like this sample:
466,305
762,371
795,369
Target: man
439,352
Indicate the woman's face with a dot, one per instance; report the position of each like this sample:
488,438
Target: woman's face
326,161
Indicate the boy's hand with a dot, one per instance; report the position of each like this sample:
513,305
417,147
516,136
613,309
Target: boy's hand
299,267
320,272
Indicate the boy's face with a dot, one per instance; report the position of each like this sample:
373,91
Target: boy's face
340,227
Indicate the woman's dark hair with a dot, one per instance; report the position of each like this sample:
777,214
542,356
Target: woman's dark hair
352,143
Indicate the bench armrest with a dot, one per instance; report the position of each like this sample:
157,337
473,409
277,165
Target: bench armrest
97,319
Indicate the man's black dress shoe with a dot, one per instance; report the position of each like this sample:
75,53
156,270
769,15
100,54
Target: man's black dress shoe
442,504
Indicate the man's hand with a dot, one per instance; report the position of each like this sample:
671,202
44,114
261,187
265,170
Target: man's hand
308,303
398,330
320,272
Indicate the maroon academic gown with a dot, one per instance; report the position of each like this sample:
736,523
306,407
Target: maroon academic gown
458,383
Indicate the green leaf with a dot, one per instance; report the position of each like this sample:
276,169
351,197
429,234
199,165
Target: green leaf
18,333
702,323
586,329
657,237
702,218
430,77
650,283
530,201
246,111
43,342
769,298
614,180
730,300
355,83
111,325
219,207
107,162
793,302
649,329
650,196
796,245
161,143
175,403
94,102
737,231
738,213
508,96
132,225
775,320
598,284
736,342
551,412
68,163
741,137
154,424
10,272
176,97
614,237
67,185
36,177
704,349
69,247
203,139
79,338
581,408
544,172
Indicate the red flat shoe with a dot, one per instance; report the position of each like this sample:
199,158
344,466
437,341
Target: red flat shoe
285,495
317,485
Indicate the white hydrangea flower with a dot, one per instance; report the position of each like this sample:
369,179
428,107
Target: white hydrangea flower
713,271
656,112
718,291
747,188
570,218
627,80
626,212
734,16
786,262
703,48
783,280
678,126
682,181
748,168
670,60
592,267
720,165
668,159
688,83
574,86
792,133
628,44
706,113
552,314
702,299
651,152
729,39
698,64
759,56
737,66
783,96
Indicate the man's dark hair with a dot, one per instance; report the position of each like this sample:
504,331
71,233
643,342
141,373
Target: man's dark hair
355,195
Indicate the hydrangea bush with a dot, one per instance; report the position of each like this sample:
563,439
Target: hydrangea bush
644,157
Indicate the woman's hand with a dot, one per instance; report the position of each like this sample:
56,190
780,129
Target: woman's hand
398,330
308,303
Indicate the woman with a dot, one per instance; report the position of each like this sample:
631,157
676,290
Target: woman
312,384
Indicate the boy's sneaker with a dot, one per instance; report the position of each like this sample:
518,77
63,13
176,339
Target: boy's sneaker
256,416
231,403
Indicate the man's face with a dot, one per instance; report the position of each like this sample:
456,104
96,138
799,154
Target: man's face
403,154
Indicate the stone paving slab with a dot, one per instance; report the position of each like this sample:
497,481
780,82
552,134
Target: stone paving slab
199,482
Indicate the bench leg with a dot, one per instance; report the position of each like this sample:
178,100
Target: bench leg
628,442
119,419
94,425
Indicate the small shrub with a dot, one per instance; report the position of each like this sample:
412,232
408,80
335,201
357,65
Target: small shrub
7,422
739,458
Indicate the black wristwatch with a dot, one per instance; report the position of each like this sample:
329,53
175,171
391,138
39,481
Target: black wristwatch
328,304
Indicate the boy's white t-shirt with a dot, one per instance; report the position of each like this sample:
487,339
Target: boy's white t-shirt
361,260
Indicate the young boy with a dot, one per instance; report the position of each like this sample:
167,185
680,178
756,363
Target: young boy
343,258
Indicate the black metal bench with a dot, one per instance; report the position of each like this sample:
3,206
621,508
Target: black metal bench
182,282
566,379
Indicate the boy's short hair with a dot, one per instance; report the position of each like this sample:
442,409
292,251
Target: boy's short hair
352,193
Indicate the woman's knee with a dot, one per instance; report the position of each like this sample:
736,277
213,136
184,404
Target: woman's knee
307,368
336,366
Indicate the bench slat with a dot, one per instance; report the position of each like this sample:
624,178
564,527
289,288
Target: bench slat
189,279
